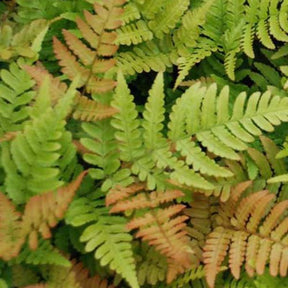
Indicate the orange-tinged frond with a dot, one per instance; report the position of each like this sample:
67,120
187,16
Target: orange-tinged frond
106,50
273,218
169,238
11,236
215,251
83,278
44,211
103,65
263,255
258,212
284,263
275,257
162,228
280,230
98,85
246,207
69,63
251,254
144,200
88,34
228,209
91,62
256,233
84,53
237,252
148,218
57,88
86,109
120,193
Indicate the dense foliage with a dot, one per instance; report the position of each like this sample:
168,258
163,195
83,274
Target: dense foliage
143,143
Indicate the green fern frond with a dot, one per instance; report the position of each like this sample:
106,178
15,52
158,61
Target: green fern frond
26,43
150,8
106,235
44,254
152,55
188,33
168,17
126,122
15,96
134,33
153,266
221,129
203,49
33,157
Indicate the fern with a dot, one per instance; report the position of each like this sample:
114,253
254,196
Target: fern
152,55
44,254
250,240
98,57
15,95
157,227
35,218
24,158
26,43
153,266
106,235
83,108
167,18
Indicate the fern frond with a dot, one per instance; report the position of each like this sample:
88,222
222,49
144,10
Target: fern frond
83,108
25,43
125,122
86,109
106,235
15,95
168,17
44,254
150,8
153,267
36,172
39,74
38,217
11,237
240,121
249,235
275,28
203,49
134,33
189,32
158,227
86,61
147,56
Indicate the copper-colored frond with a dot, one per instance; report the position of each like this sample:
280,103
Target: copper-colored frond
57,88
252,235
44,211
85,54
215,252
90,62
69,62
11,236
86,109
144,200
119,193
